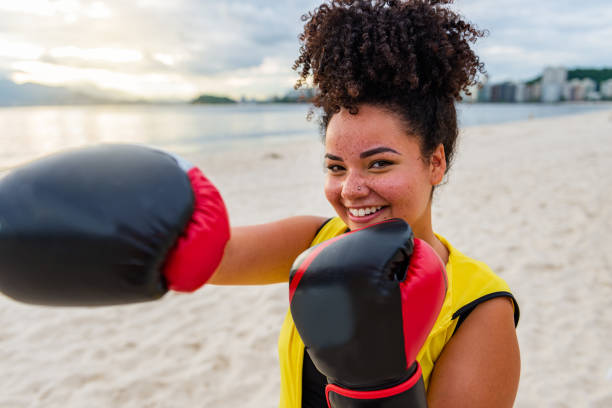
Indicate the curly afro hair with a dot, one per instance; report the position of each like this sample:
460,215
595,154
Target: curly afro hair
410,57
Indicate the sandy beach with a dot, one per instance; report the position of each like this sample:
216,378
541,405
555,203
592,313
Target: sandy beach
532,199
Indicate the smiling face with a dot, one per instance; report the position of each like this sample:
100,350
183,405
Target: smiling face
376,171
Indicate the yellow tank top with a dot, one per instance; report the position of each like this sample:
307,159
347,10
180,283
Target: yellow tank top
470,282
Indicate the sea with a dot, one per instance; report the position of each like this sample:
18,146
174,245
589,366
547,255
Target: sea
30,132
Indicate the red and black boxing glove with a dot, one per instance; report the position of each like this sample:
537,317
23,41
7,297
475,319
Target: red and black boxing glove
106,225
363,304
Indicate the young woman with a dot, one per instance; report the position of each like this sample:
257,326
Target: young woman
388,74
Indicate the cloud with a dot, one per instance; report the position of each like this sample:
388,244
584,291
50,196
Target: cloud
525,36
248,44
200,38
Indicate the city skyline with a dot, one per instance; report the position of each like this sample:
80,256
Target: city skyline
178,50
554,84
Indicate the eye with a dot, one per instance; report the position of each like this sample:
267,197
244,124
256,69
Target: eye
335,168
380,164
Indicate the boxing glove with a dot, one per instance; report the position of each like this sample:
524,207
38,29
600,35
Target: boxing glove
109,224
364,303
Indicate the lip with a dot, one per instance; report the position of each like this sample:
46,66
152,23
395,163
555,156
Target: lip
366,218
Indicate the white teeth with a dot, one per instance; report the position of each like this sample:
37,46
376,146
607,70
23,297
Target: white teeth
363,211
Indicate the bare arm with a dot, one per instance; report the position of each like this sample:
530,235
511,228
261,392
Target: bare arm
480,366
261,254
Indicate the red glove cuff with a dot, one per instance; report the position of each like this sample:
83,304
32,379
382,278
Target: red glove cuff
345,394
423,294
199,249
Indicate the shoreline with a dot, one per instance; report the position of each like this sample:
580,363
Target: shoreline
81,125
261,103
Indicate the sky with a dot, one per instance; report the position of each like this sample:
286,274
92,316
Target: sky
178,49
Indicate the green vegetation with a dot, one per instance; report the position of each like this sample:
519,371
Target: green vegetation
296,96
211,99
288,99
597,75
534,80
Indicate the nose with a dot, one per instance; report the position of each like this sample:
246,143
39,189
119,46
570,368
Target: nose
354,186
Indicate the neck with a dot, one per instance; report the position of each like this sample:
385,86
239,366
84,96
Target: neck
424,231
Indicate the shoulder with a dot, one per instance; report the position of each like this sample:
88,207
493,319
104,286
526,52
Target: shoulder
472,282
332,227
480,365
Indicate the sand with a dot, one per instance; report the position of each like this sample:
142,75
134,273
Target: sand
532,199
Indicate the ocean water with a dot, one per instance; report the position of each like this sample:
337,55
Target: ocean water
29,132
492,113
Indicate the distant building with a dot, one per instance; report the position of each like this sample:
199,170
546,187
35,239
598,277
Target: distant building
521,92
533,92
589,87
474,91
605,89
504,92
484,94
299,95
580,90
570,90
484,90
552,86
553,83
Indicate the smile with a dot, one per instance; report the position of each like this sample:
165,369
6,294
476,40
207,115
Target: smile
362,212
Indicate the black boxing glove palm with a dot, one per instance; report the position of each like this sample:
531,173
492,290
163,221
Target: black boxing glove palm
363,304
105,225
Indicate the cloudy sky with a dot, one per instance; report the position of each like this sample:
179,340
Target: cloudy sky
181,48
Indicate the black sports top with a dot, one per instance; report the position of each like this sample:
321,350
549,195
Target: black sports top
313,385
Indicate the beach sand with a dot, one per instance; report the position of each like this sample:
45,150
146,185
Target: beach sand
532,199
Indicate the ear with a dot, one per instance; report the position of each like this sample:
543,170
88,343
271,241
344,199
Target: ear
437,165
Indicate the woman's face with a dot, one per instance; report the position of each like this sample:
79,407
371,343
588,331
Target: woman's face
375,170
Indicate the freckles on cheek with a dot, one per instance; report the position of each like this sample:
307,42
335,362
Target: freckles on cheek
390,189
330,190
395,194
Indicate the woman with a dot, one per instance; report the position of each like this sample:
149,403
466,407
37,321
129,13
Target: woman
388,74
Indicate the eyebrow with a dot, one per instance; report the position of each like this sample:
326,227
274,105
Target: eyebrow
365,154
377,150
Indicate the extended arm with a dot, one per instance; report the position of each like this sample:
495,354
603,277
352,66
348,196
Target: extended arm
261,254
115,224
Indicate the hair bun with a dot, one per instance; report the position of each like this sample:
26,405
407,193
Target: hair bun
362,51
